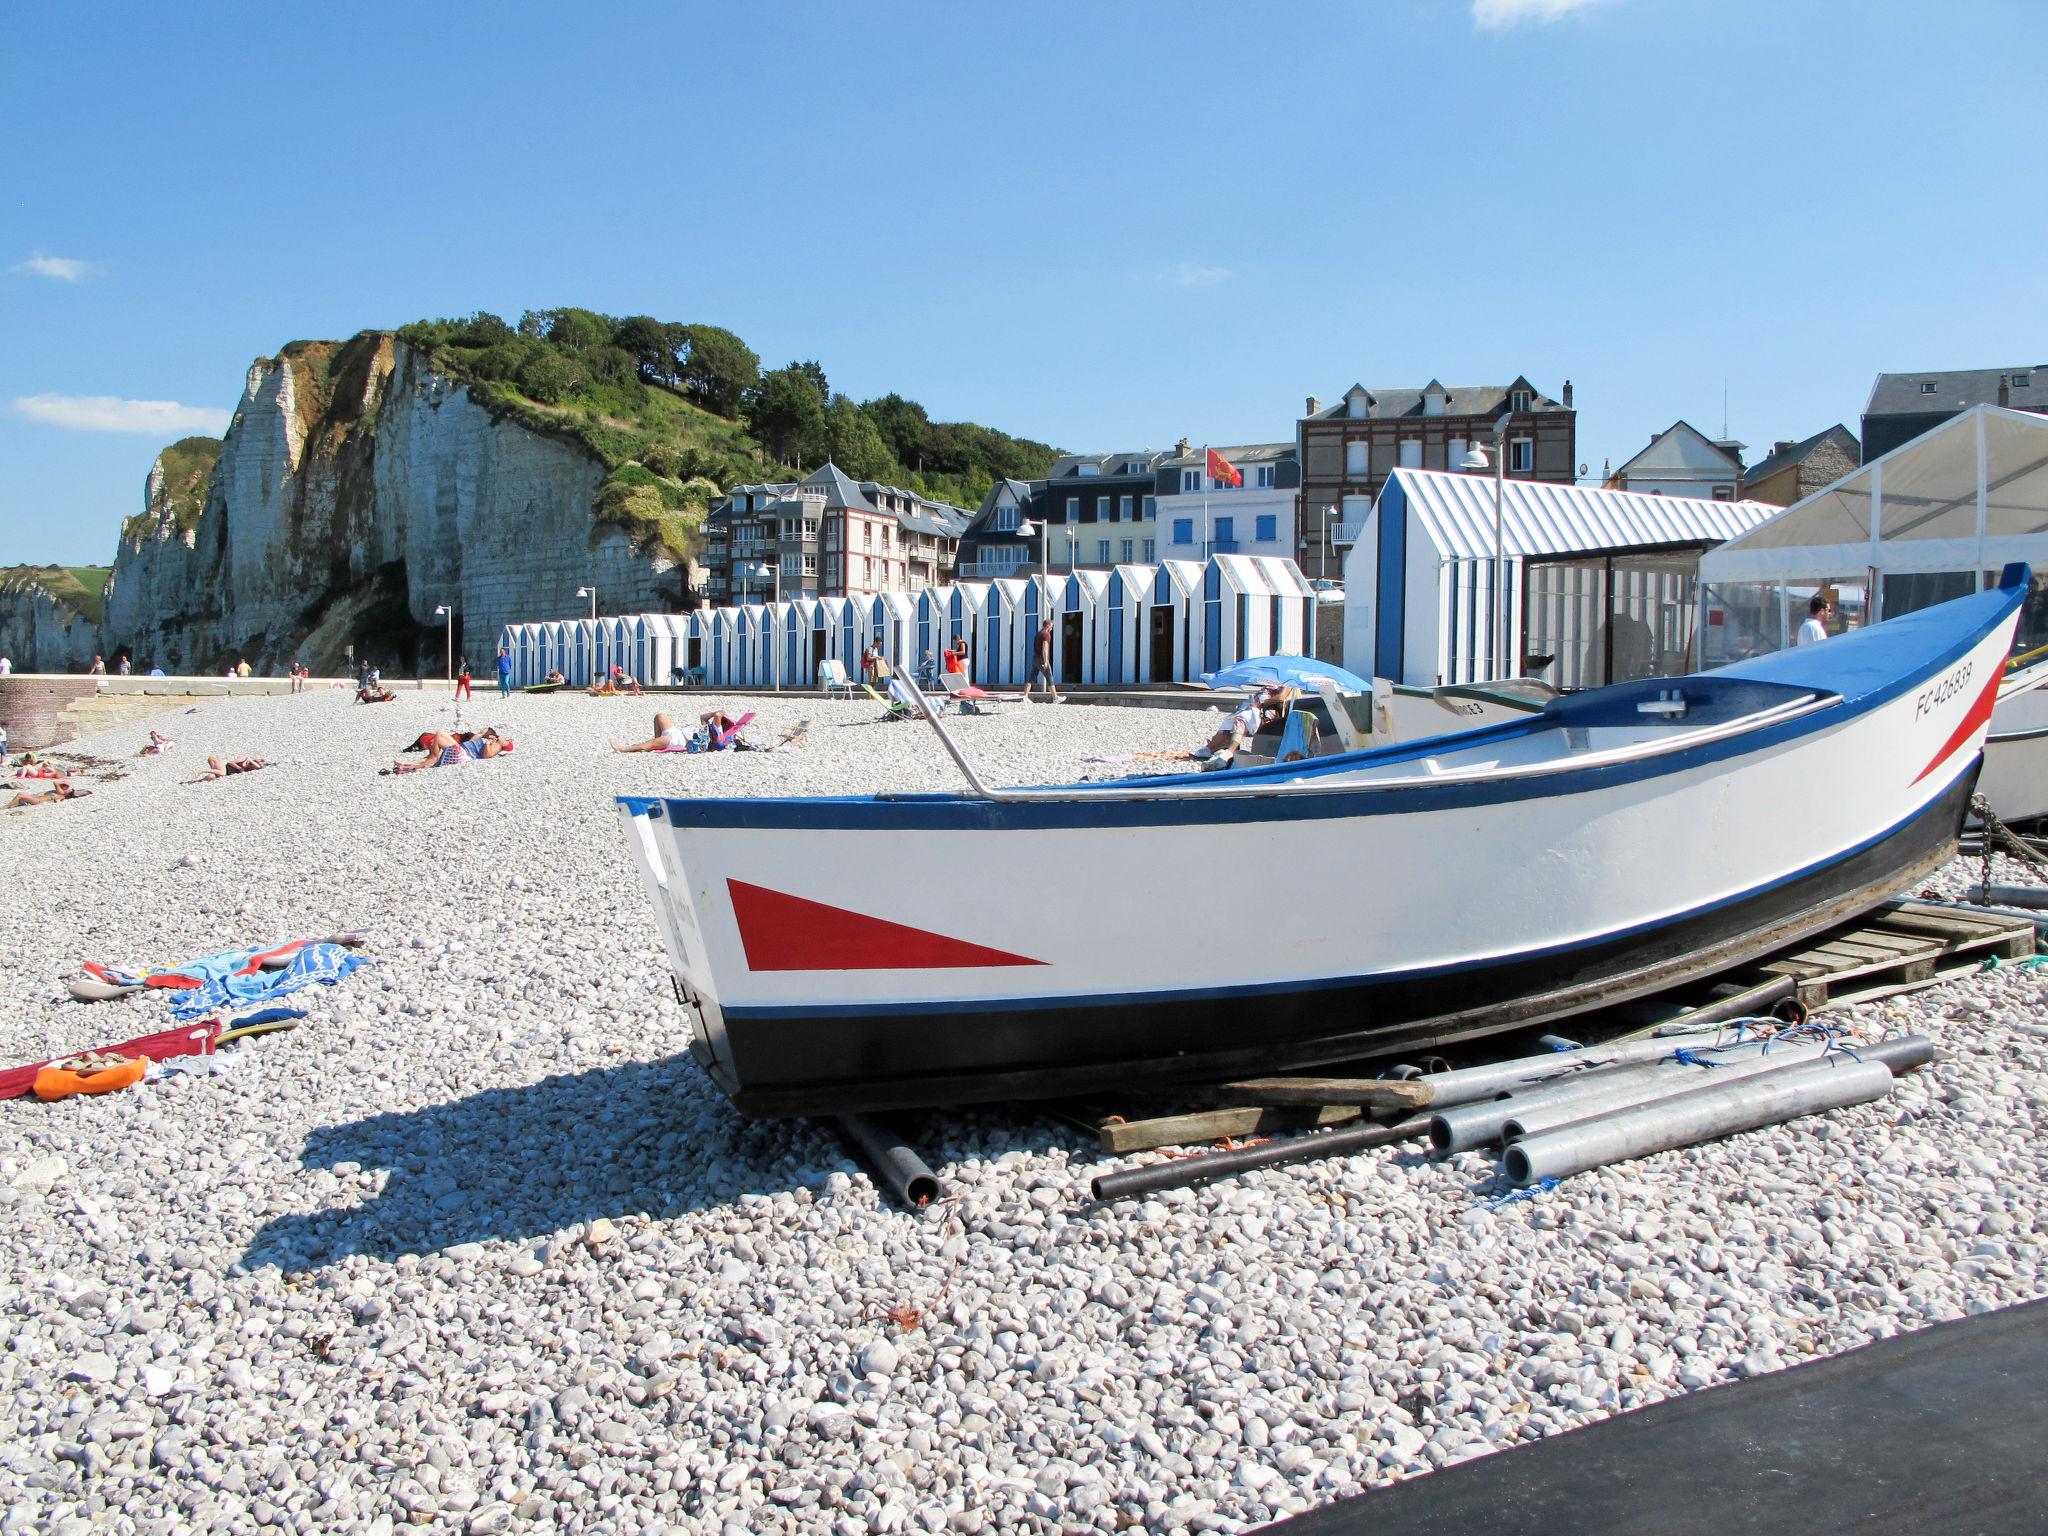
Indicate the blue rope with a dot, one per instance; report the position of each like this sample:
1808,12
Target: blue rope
1691,1058
1540,1187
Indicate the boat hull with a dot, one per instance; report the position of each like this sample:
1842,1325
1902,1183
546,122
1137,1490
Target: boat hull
969,1053
2015,779
872,952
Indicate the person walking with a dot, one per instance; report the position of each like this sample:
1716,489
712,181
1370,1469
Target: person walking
1816,625
504,673
462,679
1041,664
97,669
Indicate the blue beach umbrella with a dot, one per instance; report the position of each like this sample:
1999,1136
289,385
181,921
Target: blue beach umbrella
1300,671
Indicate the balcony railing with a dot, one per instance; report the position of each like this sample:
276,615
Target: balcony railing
1346,533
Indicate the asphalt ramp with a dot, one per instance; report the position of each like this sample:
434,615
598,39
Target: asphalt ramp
1945,1429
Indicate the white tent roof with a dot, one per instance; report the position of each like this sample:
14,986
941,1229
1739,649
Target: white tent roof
1970,494
1539,518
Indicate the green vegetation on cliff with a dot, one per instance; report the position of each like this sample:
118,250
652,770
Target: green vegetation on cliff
680,412
81,588
188,474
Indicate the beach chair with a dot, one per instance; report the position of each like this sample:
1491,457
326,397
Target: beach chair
898,710
832,677
972,700
720,740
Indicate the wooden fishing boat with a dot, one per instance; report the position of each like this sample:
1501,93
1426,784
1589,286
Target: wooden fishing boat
2015,778
896,950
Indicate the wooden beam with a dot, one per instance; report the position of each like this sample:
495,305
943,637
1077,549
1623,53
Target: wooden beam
1213,1125
1374,1092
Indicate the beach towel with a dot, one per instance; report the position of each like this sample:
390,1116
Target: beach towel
185,1040
321,963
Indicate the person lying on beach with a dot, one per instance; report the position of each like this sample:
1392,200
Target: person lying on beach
446,749
61,790
667,737
377,694
158,744
220,768
1264,707
33,767
618,681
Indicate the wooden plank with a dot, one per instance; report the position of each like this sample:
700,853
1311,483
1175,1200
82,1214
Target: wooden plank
1215,1124
1375,1092
1896,943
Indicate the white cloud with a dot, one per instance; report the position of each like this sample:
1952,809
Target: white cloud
1492,14
106,413
1188,274
65,269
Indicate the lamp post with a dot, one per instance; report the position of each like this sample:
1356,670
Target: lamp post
591,593
1475,459
1043,528
766,571
443,611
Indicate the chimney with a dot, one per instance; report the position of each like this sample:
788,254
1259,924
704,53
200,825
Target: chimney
1567,394
2004,391
1180,449
1314,404
1783,445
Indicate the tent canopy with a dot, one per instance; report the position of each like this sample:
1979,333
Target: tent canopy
1970,494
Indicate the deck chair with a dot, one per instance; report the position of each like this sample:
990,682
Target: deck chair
898,710
972,700
720,740
832,677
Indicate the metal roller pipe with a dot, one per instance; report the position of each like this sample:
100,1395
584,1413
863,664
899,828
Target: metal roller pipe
1183,1171
1705,1114
1463,1127
1904,1054
893,1162
1468,1085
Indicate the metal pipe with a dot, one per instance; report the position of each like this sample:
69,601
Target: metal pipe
2031,897
1184,1171
1463,1127
1901,1055
894,1163
1468,1085
1770,1098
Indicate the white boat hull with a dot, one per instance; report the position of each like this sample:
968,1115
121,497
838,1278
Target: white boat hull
866,953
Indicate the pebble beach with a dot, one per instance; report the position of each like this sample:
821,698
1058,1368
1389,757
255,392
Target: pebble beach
478,1247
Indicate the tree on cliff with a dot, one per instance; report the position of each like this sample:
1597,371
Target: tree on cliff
717,368
652,345
855,444
787,413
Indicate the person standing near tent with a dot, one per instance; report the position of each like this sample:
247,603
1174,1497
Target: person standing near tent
1041,663
1816,625
504,673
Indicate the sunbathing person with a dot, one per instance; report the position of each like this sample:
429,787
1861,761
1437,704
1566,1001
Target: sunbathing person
158,744
1265,707
61,790
374,694
444,749
221,768
667,737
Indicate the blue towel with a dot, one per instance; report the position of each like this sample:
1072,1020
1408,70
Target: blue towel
316,962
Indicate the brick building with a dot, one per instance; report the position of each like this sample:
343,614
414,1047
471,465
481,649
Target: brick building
1347,449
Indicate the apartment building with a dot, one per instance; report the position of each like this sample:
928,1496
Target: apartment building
827,535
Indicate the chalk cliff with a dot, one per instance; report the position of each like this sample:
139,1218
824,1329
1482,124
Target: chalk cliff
359,487
41,628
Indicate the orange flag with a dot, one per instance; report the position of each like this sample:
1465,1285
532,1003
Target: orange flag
1221,470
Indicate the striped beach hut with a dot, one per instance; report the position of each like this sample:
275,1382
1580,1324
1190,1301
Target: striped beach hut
1004,659
1171,617
1080,654
892,625
1122,624
967,619
1252,606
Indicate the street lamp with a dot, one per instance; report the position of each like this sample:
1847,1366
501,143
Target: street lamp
1043,528
443,611
591,593
765,571
1475,459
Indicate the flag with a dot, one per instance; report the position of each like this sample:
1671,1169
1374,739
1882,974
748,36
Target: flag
1221,470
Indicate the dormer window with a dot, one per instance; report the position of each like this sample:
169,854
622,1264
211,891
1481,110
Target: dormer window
1136,467
1520,400
1927,386
1355,407
2022,380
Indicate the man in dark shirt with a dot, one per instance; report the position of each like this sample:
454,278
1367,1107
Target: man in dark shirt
1041,663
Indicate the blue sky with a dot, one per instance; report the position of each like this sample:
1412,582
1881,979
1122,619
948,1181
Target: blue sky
1104,226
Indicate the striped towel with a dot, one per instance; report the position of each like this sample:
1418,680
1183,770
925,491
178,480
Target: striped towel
326,963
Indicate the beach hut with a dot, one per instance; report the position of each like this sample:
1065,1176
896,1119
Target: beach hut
653,647
967,619
1172,620
892,626
614,644
1592,587
1080,656
1253,606
1937,517
1123,630
1004,660
930,608
723,634
693,644
1292,623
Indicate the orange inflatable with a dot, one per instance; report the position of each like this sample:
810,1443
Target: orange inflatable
55,1082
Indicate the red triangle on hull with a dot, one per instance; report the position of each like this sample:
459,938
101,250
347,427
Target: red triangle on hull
791,933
